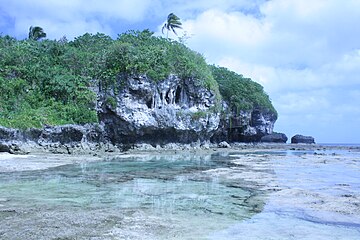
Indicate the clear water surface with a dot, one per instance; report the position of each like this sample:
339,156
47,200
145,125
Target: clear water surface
171,196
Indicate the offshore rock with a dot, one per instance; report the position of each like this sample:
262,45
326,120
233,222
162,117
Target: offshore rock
174,110
302,139
274,138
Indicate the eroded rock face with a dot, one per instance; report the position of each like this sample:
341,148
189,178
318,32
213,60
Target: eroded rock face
8,134
245,126
66,139
141,111
172,110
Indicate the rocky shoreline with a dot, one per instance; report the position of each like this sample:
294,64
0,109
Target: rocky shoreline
92,139
139,113
21,149
301,184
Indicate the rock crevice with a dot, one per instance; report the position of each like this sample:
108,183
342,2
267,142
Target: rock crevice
141,111
172,110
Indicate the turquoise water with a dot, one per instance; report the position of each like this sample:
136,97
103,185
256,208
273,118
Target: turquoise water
172,188
187,196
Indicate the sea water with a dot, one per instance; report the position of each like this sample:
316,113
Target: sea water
229,195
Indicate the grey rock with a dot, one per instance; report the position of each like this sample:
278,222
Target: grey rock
66,139
143,147
8,134
207,145
141,111
12,147
172,146
175,110
170,111
4,147
224,144
244,126
274,138
302,139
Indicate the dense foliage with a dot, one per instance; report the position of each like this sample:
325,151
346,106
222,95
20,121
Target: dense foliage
51,81
142,53
241,93
40,84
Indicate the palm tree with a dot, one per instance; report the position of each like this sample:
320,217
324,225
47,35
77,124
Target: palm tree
172,22
36,33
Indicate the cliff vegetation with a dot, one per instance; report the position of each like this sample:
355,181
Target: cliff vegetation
54,82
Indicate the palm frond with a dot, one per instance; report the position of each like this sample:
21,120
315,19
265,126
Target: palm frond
36,33
172,22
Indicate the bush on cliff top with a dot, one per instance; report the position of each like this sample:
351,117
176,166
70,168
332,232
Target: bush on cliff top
137,52
42,82
50,81
241,93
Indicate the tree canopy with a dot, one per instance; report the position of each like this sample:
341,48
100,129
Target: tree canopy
241,93
52,81
36,33
171,24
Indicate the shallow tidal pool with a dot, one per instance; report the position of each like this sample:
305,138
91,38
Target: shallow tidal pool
223,195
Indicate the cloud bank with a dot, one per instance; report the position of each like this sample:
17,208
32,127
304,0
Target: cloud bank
306,54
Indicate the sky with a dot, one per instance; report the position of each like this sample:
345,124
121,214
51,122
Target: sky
306,53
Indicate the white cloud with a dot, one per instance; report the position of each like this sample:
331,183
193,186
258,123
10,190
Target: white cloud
306,54
73,17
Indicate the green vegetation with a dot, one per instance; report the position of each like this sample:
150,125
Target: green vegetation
172,23
199,114
42,82
50,81
36,33
241,93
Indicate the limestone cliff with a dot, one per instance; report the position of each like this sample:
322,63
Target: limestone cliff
245,126
172,110
176,110
139,110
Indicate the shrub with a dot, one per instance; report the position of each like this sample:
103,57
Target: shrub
241,93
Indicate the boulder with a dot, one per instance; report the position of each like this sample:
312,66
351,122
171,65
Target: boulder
11,147
302,139
4,147
274,138
224,145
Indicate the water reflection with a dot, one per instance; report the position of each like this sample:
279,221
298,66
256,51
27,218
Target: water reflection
181,189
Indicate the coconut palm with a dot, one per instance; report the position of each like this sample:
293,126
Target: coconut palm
172,23
36,33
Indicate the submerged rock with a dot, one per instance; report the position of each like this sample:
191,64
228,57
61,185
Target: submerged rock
302,139
274,138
